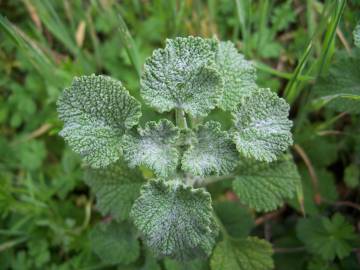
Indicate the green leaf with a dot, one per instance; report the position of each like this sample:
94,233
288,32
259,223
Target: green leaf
340,89
175,220
356,35
262,126
352,176
236,219
154,146
212,152
96,111
182,76
328,238
239,75
116,188
114,243
188,265
265,186
246,254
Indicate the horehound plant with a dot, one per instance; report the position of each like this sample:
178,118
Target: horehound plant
173,212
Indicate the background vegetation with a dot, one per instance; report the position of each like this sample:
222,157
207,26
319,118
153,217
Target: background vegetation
304,50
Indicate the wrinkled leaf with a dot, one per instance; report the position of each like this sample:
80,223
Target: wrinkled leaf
182,76
265,186
116,187
262,127
245,254
154,146
213,152
175,220
97,110
238,74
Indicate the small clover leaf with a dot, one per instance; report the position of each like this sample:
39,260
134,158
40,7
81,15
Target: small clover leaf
97,110
175,220
154,146
326,237
212,152
182,76
262,127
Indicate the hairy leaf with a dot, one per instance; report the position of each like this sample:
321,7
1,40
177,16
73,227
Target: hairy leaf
328,238
154,146
182,76
265,186
114,243
175,220
238,74
262,126
340,89
96,111
246,254
213,152
116,188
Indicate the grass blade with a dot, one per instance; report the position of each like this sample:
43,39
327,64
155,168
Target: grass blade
129,44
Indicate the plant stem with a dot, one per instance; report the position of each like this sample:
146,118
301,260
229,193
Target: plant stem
214,179
180,118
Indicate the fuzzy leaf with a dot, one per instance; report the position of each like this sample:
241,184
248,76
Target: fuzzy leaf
265,186
116,188
262,126
238,74
327,238
356,35
96,111
114,243
182,76
213,152
154,146
340,89
175,220
245,254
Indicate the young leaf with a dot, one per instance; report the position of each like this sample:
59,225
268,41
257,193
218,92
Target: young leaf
340,89
114,243
262,127
116,188
175,220
265,186
154,146
325,237
96,111
182,76
245,254
238,74
213,152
